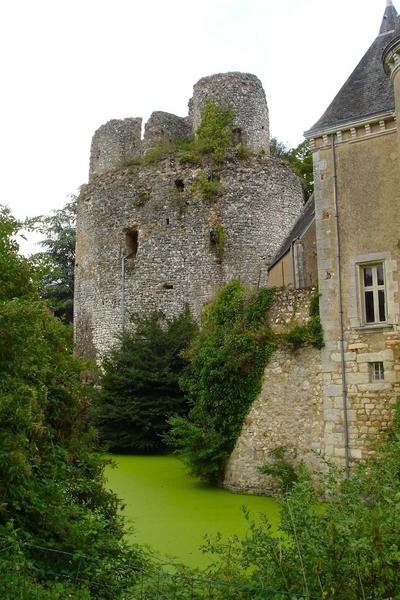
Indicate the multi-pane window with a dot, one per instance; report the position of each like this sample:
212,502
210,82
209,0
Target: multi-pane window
376,371
373,293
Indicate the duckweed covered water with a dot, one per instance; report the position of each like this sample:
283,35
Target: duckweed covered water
172,512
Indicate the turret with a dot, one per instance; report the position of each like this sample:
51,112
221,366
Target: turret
391,57
113,143
245,94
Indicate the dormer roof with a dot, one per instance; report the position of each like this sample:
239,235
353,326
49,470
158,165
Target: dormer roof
368,91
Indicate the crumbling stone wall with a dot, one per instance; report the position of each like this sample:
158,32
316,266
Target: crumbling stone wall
153,223
176,261
165,128
289,409
113,143
242,91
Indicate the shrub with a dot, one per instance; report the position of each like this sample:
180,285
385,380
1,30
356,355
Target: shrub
139,388
227,359
345,547
52,488
209,187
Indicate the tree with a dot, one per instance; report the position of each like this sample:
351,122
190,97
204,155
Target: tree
59,256
139,388
52,489
300,159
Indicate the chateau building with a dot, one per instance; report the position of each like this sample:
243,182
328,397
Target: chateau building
336,401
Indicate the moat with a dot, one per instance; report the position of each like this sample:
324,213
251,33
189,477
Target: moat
172,512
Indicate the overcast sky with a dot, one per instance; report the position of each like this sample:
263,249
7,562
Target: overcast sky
68,67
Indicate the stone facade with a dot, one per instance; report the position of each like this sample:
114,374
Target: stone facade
364,204
289,409
145,234
357,181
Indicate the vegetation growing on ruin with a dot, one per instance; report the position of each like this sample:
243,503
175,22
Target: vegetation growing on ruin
223,378
228,357
139,387
213,139
209,186
309,333
219,234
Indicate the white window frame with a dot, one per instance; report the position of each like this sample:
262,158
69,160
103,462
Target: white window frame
377,371
375,288
355,303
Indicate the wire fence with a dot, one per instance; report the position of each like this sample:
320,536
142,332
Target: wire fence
41,573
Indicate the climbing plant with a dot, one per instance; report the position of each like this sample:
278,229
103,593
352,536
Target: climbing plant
227,360
223,377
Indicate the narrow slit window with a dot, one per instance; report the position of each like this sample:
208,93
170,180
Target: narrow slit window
237,136
373,293
132,242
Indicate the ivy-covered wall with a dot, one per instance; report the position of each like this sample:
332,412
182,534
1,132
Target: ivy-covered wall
289,409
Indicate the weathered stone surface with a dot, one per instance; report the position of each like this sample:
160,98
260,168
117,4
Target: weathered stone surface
113,143
165,128
176,262
242,91
288,411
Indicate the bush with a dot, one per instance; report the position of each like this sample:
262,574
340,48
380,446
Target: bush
139,388
227,360
52,488
345,547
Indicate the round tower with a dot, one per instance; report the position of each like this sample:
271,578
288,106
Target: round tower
245,94
113,143
391,63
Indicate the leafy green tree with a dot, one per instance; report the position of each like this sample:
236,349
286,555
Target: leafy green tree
59,257
52,488
300,159
227,360
139,388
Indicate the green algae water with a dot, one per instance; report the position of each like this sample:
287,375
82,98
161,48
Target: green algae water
172,512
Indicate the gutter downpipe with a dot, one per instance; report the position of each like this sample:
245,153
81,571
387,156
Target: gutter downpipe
341,327
123,259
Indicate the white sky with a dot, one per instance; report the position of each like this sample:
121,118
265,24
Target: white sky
69,66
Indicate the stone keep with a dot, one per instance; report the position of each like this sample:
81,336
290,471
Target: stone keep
146,235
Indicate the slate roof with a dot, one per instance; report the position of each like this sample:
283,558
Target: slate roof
368,90
299,229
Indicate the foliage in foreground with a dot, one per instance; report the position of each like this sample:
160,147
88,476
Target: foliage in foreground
52,488
346,548
139,388
227,360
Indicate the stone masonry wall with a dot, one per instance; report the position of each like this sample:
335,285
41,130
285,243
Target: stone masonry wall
176,261
368,180
112,143
289,409
245,94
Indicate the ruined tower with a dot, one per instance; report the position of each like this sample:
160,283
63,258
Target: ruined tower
148,239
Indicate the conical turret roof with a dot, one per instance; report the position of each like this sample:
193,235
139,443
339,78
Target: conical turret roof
390,18
368,90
